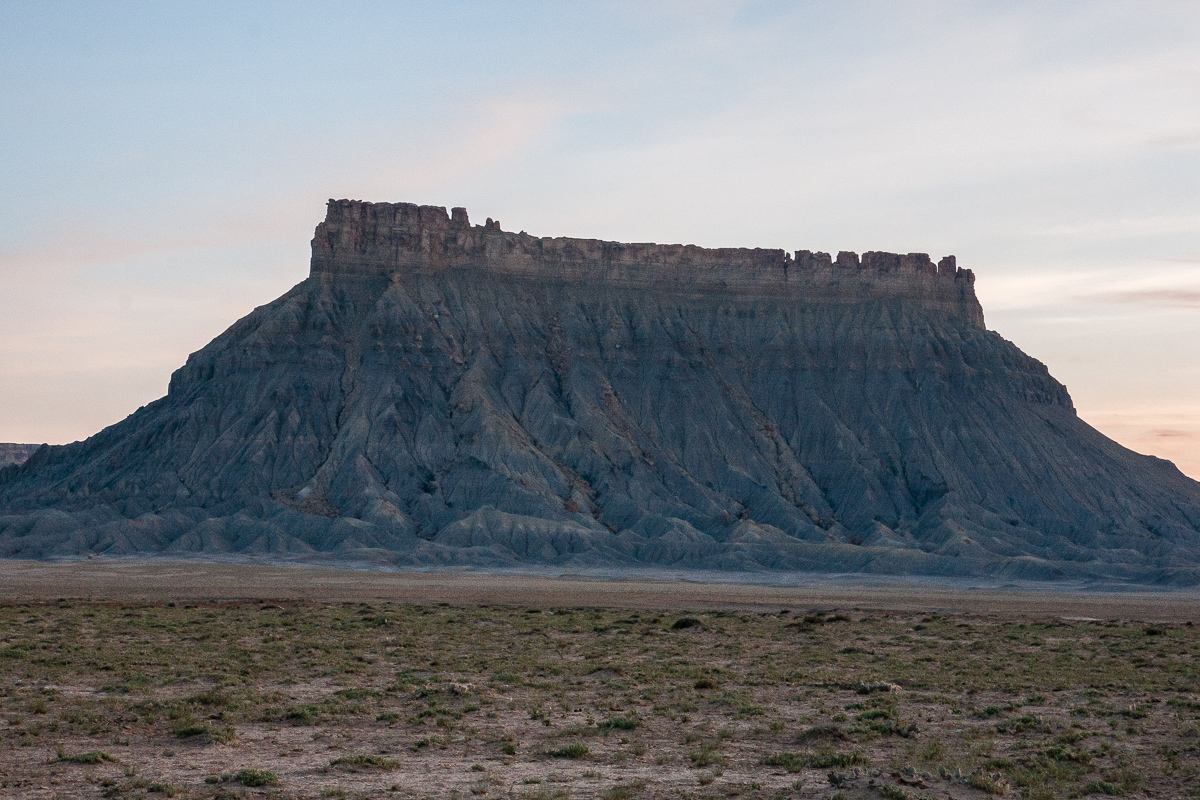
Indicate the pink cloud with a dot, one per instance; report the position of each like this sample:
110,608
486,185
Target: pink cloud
1162,298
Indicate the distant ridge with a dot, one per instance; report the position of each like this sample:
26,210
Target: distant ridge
15,453
438,393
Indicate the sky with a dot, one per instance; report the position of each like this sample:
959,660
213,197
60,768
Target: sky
162,165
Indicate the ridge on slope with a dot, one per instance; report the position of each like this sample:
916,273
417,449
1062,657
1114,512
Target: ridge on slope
438,392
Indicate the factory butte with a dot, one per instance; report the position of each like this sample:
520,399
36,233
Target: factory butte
437,393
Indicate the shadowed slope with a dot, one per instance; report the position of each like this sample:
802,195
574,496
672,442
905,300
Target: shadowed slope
431,403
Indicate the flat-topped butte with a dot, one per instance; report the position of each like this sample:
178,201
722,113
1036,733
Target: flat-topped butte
438,393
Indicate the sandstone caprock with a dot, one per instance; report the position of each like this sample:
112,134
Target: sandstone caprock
442,393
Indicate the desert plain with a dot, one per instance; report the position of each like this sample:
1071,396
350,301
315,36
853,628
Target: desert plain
128,679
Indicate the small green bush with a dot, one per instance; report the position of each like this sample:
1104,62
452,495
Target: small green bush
256,777
573,750
706,756
626,723
840,760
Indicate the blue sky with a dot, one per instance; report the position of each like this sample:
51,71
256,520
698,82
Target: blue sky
163,165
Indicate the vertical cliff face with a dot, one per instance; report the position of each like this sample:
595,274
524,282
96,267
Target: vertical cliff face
386,239
438,392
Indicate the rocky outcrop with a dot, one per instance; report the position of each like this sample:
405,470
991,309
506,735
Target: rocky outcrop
383,239
442,393
15,453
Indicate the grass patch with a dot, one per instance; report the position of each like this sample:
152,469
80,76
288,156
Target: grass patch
186,729
706,756
91,757
573,750
364,763
625,723
795,762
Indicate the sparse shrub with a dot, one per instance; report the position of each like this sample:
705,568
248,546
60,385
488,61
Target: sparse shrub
302,715
831,733
747,711
840,760
889,727
1020,724
256,777
1103,787
705,756
573,750
622,792
92,757
1117,784
683,623
187,728
993,784
934,750
542,793
876,713
795,762
623,723
357,694
362,763
792,762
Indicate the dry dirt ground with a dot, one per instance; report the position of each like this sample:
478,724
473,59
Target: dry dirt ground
205,681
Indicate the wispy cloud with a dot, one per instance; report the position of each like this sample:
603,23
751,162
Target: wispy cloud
80,246
1161,283
1125,227
1161,298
